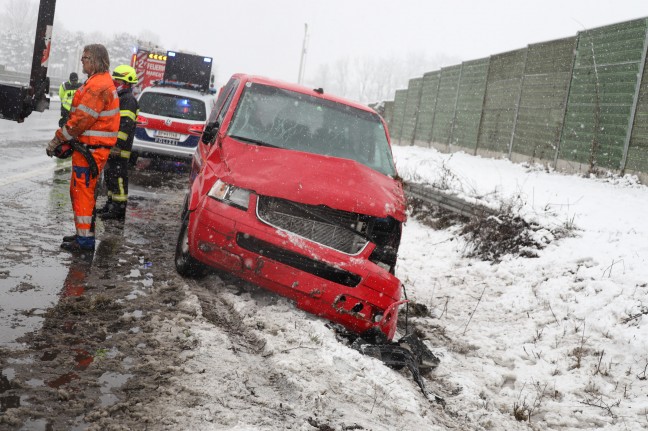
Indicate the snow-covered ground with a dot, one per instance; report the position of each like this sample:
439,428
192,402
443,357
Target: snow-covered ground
559,340
564,335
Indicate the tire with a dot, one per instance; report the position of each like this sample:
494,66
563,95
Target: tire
185,263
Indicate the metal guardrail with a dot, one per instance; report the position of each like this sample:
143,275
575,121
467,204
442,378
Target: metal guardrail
450,202
9,77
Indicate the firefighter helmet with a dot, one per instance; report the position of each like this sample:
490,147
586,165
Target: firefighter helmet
125,73
64,150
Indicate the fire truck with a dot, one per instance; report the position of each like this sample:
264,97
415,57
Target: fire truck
149,63
151,66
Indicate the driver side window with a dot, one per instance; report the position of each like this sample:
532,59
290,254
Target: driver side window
223,102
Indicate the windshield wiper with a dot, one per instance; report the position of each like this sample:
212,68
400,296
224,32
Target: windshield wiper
253,141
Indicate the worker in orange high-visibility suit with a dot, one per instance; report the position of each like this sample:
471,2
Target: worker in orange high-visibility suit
88,135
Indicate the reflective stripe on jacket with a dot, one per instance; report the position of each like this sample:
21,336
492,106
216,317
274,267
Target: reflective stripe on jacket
66,94
94,114
129,109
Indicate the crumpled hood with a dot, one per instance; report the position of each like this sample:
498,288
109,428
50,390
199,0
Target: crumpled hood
312,179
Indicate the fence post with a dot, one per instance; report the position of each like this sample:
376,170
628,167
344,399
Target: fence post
481,115
454,113
517,103
635,101
562,124
418,109
436,100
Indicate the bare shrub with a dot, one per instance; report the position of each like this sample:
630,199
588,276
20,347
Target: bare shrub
434,216
492,237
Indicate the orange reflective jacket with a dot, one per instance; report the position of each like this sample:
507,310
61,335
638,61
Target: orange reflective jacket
94,115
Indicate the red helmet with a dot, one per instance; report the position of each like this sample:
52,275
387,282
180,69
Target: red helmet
63,151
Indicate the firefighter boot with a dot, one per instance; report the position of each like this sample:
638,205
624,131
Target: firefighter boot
116,211
80,244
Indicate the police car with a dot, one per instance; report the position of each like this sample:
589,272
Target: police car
170,121
173,111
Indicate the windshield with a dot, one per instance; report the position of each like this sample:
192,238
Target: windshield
281,118
174,106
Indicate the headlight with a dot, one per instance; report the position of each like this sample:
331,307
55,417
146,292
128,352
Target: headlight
230,195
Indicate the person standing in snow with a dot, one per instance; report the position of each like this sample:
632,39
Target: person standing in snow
116,174
87,136
66,94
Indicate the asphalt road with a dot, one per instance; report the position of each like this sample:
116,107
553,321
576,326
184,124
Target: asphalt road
36,213
50,331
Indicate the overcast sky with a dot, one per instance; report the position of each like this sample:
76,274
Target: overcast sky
265,36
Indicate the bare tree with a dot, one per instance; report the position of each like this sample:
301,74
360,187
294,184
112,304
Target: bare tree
374,79
323,77
342,76
19,17
365,71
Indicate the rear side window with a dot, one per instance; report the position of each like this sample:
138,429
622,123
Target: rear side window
223,101
174,106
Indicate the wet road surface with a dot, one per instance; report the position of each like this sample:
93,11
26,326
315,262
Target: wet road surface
61,313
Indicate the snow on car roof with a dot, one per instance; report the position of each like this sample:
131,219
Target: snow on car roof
301,89
179,91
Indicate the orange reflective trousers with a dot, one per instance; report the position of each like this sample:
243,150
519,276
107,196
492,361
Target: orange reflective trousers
94,121
83,190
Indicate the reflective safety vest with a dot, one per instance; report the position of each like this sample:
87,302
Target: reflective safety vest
94,114
66,93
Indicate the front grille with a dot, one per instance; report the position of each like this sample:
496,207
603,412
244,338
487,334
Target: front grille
298,261
332,228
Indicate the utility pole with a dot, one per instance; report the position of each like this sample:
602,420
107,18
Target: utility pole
302,61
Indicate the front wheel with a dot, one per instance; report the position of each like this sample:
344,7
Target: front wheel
185,263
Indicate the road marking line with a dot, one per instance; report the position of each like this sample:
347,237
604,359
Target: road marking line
26,175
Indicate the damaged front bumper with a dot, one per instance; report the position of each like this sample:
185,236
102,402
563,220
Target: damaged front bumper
346,289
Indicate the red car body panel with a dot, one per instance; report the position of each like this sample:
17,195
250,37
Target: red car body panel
312,179
219,234
213,231
176,125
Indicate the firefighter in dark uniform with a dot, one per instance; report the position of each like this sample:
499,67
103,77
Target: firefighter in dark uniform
116,173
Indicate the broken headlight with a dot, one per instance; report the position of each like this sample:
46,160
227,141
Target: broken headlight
231,195
386,234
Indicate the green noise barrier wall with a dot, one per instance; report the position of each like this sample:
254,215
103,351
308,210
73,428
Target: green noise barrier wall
579,103
411,110
470,101
502,97
543,100
388,111
637,158
429,91
603,96
446,103
396,125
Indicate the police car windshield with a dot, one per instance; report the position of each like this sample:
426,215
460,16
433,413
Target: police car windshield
173,106
296,121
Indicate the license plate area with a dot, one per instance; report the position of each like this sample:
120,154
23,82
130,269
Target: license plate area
166,141
163,134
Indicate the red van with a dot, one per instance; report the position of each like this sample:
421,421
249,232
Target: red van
296,191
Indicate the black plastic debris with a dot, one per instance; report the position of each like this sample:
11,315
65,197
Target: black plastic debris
409,351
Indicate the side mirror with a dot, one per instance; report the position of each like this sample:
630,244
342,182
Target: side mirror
209,134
